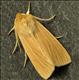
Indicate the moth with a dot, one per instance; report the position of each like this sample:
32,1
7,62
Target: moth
43,49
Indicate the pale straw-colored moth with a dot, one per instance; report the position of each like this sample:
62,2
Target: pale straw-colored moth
43,49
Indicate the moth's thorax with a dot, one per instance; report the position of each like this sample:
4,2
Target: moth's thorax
24,23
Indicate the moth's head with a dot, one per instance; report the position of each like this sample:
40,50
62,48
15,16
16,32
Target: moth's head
21,17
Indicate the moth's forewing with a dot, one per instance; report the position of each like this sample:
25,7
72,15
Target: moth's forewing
52,46
40,58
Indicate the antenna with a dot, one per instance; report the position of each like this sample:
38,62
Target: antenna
28,11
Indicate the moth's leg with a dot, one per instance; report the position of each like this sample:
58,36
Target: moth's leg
17,39
19,47
15,47
10,31
25,60
59,37
40,19
16,44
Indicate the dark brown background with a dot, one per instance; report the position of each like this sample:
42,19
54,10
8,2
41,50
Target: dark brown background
66,24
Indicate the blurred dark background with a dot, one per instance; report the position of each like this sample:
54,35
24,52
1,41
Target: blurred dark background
66,24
